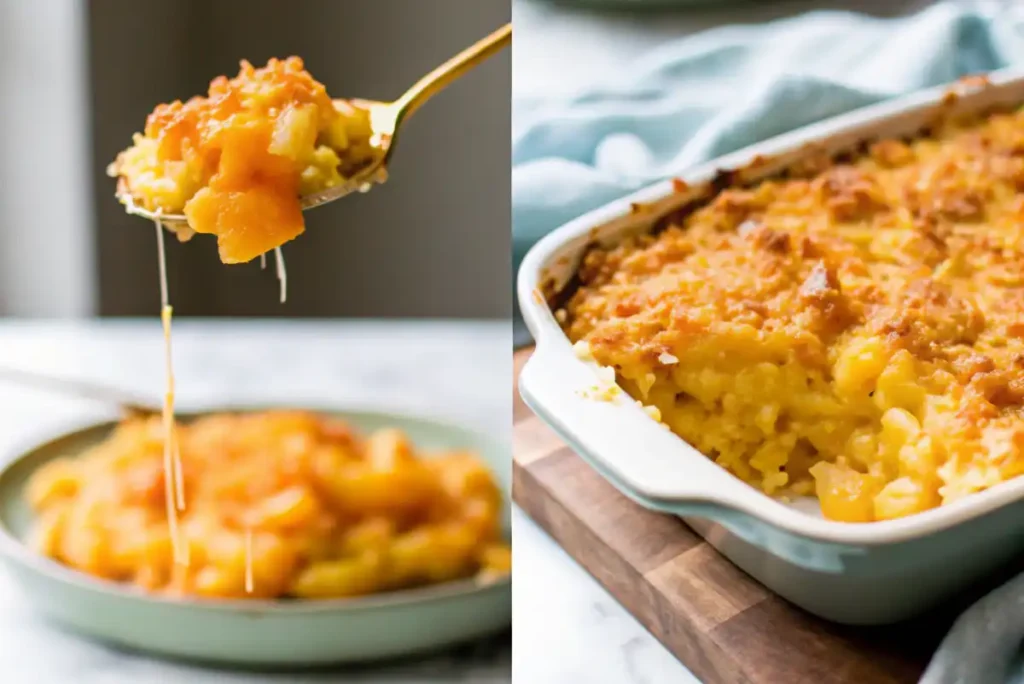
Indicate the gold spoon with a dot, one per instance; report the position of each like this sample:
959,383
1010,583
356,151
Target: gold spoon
386,119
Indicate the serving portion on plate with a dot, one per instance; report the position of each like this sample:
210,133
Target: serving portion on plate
827,320
312,537
277,504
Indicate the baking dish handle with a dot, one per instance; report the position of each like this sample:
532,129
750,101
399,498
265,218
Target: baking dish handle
651,465
618,438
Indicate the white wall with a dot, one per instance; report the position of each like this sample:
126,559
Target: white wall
46,257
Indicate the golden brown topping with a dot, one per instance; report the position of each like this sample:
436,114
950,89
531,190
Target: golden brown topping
970,365
891,153
822,292
1002,388
766,238
849,194
861,327
949,191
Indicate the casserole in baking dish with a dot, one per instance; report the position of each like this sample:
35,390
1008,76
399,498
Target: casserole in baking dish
833,318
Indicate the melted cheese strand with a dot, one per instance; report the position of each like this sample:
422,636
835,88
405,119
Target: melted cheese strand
173,489
165,318
161,256
248,561
179,477
282,274
170,434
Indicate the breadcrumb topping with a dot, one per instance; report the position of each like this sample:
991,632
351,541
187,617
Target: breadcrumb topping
777,327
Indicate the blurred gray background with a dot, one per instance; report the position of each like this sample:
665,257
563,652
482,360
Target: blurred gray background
78,77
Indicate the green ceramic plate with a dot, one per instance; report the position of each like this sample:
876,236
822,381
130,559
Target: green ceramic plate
256,632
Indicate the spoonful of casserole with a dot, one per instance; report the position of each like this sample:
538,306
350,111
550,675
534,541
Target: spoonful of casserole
244,161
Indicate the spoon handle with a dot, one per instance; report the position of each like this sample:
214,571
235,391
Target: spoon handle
87,390
439,78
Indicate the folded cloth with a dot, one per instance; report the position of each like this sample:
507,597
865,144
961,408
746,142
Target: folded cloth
984,645
703,96
706,95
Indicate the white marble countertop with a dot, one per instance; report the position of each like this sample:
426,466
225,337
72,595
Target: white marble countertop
567,629
456,370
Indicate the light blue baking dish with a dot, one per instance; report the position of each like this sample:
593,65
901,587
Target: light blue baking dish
852,573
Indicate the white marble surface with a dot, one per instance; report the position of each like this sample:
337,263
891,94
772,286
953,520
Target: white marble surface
456,370
567,628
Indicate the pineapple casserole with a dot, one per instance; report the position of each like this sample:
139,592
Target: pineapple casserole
853,329
277,504
236,161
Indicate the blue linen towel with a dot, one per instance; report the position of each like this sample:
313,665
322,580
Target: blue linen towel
709,94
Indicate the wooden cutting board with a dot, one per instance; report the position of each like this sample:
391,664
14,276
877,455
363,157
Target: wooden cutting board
722,624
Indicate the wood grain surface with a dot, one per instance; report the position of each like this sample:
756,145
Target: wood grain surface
723,625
